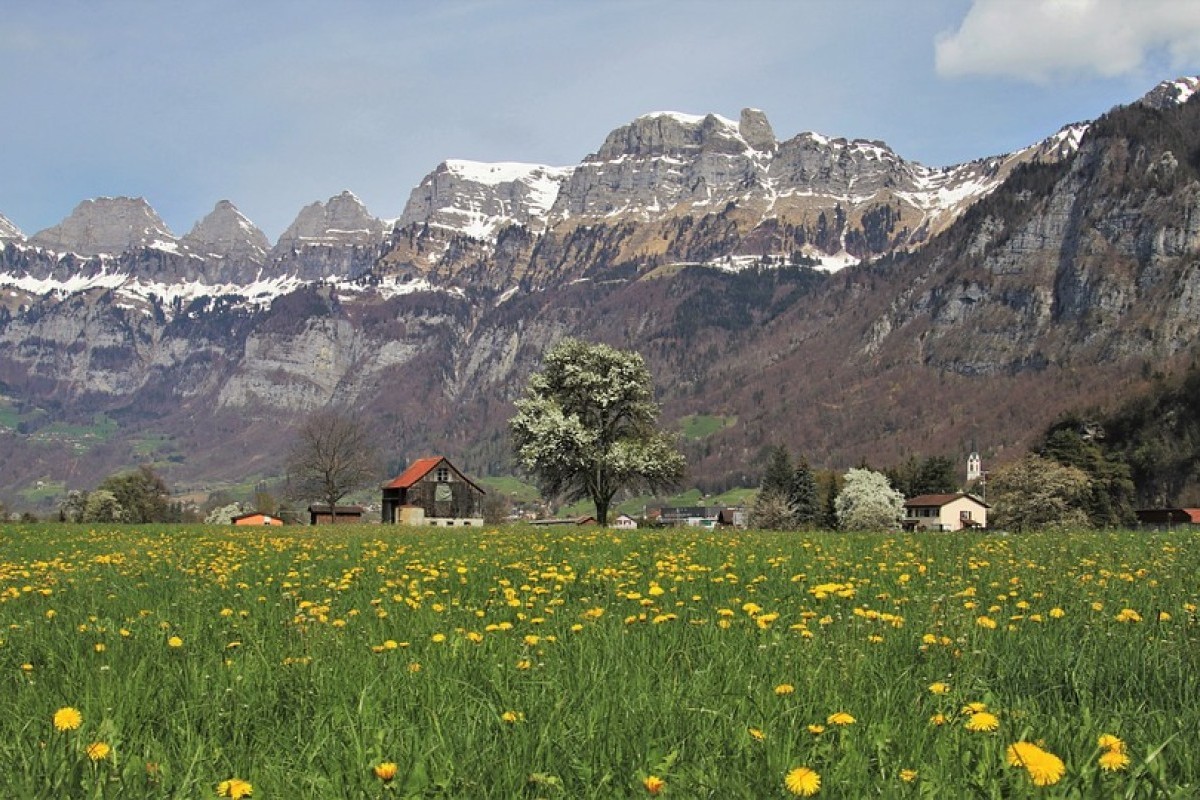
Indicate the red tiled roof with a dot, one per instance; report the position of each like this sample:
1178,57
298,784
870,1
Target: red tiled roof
419,469
939,500
416,470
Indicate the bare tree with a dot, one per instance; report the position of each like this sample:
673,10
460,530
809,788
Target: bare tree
333,455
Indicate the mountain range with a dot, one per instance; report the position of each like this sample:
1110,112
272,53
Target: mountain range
818,292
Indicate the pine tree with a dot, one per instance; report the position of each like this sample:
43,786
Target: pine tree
806,507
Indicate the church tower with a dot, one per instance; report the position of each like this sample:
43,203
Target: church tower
974,467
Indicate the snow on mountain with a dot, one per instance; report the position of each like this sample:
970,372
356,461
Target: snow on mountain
476,199
9,231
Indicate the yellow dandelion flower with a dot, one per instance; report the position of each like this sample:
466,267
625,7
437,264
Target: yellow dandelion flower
1019,754
840,718
938,720
974,708
756,734
99,647
908,775
174,641
414,667
1128,615
816,729
235,788
939,687
67,719
385,771
986,622
512,717
784,689
1057,613
982,722
1046,770
1113,760
1109,742
654,784
1164,616
98,751
438,638
802,782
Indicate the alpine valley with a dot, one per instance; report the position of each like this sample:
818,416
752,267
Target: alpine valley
816,292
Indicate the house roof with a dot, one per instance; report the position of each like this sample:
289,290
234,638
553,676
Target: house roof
324,509
249,514
939,500
422,467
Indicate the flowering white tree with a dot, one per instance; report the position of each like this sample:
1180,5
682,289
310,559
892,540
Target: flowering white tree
586,427
868,502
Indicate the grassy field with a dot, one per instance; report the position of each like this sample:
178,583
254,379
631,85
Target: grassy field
520,663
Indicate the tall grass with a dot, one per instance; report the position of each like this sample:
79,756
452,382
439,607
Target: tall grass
575,663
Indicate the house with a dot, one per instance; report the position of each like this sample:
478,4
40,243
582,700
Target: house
320,515
696,516
1168,517
432,491
624,522
256,518
945,512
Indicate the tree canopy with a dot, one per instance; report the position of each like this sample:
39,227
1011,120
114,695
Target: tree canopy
1038,492
586,427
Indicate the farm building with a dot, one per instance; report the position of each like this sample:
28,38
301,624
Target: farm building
256,518
945,512
1168,517
432,491
320,514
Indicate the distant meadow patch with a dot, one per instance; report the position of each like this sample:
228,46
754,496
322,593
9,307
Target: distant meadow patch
364,661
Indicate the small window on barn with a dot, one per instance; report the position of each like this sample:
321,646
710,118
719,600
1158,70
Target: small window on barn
964,516
443,474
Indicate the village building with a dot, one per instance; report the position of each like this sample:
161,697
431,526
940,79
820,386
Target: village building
1168,517
321,515
256,518
432,491
945,512
624,522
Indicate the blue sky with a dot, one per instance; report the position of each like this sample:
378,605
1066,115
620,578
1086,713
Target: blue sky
274,105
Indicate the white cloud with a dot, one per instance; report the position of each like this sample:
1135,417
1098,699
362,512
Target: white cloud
1040,40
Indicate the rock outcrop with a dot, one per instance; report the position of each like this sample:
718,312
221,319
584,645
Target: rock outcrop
107,226
225,233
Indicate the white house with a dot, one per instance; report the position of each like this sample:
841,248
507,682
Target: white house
625,522
945,512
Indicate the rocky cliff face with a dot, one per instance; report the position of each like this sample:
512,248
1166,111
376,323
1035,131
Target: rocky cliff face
1069,270
107,226
226,234
9,231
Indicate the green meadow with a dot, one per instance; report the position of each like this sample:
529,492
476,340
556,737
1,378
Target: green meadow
583,663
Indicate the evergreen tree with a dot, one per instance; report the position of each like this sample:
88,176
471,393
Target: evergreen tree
777,478
806,506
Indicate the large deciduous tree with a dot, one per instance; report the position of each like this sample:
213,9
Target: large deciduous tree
333,455
141,495
586,427
1038,492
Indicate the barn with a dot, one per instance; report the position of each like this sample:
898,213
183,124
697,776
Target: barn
432,491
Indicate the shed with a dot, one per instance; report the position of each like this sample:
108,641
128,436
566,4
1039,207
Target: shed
320,514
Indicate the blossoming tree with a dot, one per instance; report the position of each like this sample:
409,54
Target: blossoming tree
586,427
